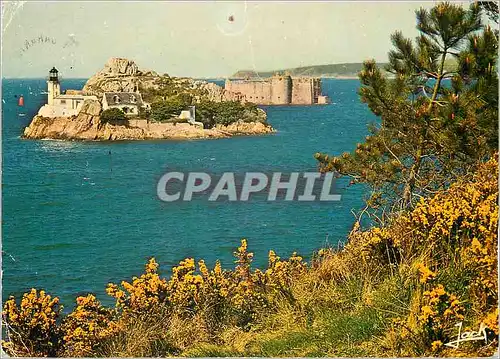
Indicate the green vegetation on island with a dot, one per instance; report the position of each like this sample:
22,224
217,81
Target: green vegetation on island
425,263
171,96
114,116
225,113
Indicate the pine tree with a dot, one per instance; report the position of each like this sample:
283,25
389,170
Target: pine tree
435,123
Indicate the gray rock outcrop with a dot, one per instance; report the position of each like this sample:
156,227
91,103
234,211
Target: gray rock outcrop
120,66
124,75
119,75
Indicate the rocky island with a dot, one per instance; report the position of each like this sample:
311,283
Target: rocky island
122,102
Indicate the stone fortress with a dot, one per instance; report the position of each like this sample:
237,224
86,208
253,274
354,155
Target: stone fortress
277,90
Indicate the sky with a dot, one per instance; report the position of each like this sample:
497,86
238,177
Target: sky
196,39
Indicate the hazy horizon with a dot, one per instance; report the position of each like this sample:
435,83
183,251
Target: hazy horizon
197,39
196,77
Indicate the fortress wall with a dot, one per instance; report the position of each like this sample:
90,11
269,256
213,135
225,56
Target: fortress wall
303,91
281,90
254,91
278,90
316,89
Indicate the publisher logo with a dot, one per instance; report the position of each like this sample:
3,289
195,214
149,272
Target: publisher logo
294,186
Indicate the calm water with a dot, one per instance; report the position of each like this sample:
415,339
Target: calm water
79,215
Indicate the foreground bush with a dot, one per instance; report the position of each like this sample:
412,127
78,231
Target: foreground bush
32,326
448,247
395,290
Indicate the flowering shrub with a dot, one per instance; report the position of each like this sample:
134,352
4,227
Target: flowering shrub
235,295
87,326
243,260
280,275
184,287
215,306
246,293
216,280
464,219
31,327
373,248
143,293
258,292
456,233
425,273
440,313
491,321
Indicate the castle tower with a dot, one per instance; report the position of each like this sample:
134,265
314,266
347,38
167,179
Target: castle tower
316,89
281,90
54,87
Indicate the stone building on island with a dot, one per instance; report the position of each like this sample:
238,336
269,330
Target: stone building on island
62,105
70,103
277,90
128,102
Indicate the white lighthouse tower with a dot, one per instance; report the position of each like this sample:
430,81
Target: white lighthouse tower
54,87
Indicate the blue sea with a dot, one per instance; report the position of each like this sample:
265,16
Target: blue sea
78,215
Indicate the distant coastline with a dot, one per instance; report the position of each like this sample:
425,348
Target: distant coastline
349,70
336,71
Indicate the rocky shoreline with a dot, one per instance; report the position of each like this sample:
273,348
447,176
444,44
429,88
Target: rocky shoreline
123,75
87,126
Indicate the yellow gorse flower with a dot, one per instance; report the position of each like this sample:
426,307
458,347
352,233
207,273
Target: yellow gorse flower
87,326
491,321
143,293
425,273
35,323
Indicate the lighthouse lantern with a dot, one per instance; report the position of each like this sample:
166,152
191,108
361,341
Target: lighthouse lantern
53,86
53,74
